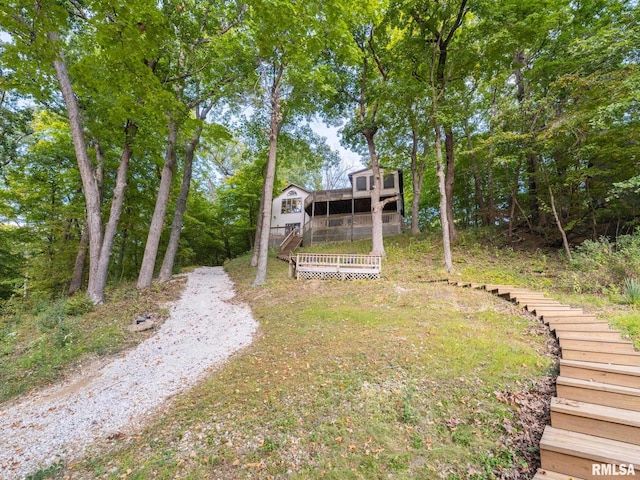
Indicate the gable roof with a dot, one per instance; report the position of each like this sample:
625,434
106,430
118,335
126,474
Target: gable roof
295,186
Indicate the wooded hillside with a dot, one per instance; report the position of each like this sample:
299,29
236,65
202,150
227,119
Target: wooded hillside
141,136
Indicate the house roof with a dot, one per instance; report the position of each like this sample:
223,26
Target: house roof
295,186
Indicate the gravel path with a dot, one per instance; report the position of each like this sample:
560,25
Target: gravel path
204,328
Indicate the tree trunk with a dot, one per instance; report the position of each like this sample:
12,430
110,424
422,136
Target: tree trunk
269,179
565,241
95,289
81,259
155,230
258,235
444,220
449,182
117,202
377,247
181,206
417,175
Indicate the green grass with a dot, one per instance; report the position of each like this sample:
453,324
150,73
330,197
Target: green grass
402,378
40,341
396,378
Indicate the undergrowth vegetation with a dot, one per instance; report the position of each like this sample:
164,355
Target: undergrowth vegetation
40,339
405,377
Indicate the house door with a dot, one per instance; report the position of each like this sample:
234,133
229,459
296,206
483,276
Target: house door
292,226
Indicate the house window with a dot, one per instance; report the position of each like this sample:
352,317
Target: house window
389,181
291,205
372,184
361,184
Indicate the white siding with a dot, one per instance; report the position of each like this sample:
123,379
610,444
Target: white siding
290,196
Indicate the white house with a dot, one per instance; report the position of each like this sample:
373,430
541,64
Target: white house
337,215
287,212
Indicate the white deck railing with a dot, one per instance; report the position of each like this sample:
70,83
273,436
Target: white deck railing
336,266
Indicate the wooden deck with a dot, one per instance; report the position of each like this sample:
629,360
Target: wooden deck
595,417
326,266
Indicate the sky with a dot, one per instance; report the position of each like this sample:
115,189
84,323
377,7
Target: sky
349,157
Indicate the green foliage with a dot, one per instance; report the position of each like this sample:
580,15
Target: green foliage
632,291
52,472
606,263
40,338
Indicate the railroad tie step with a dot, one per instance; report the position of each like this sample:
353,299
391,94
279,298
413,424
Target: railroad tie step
622,375
586,456
631,358
616,396
576,342
599,335
570,319
553,311
597,420
530,304
580,327
543,474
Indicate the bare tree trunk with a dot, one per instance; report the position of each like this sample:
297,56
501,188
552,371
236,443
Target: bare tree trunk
258,235
444,219
565,241
117,201
269,179
176,227
449,182
377,247
81,258
155,230
417,175
95,291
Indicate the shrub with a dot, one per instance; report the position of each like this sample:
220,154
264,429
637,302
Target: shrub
604,263
632,291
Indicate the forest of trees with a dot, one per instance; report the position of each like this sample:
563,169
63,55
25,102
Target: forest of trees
140,136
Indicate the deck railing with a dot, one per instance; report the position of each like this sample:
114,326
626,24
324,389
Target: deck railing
336,266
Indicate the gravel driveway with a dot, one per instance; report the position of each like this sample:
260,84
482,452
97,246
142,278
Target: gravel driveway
205,327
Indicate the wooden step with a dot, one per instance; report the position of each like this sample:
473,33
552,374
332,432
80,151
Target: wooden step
559,313
596,420
509,292
527,298
492,288
599,393
555,308
580,327
632,359
571,319
542,312
573,453
601,335
543,474
532,303
623,375
596,345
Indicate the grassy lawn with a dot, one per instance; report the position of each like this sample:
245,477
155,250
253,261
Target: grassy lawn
405,377
397,378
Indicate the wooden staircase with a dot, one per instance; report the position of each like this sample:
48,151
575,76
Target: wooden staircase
289,245
595,417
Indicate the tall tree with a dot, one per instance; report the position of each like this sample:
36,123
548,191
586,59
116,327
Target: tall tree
288,46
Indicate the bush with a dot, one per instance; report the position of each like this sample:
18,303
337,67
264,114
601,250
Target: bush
604,263
632,291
